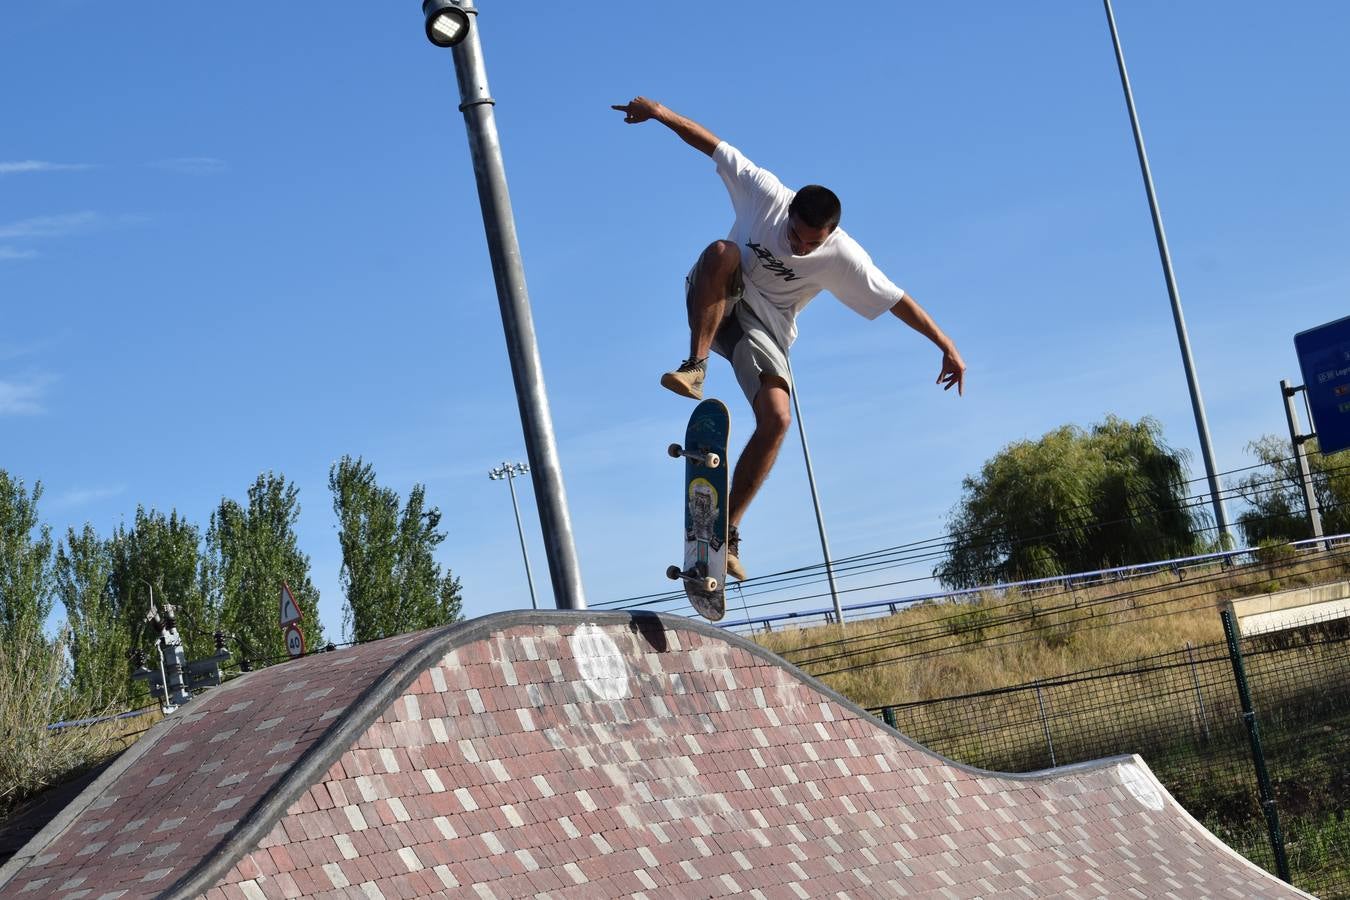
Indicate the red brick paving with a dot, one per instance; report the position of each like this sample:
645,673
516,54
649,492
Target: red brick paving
591,755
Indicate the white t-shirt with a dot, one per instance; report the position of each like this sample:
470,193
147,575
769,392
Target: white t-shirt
778,285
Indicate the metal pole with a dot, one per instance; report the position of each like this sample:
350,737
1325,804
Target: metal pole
1045,724
815,501
1304,475
1233,635
1197,403
509,273
511,473
1199,696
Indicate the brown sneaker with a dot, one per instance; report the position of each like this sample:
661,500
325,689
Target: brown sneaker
687,380
734,567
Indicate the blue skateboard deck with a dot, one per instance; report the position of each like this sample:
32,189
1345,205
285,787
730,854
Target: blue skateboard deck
704,498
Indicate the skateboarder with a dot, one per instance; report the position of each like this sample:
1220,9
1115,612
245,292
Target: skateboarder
743,295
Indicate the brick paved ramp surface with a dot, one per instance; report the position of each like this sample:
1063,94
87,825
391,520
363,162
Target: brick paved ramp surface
591,755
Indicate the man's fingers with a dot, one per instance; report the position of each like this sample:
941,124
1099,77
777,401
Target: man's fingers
950,377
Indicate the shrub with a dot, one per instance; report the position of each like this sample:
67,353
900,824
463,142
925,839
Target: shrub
33,694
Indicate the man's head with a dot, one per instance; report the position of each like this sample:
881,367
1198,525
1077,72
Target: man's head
812,217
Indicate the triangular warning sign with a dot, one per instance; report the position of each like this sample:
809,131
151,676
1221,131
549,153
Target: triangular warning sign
290,612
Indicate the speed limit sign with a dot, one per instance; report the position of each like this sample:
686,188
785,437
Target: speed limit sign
295,640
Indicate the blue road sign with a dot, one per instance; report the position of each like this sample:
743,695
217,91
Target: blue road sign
1324,356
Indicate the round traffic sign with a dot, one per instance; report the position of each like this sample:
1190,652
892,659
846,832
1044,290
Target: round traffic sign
295,640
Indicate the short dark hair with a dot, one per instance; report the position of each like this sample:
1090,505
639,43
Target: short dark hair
816,206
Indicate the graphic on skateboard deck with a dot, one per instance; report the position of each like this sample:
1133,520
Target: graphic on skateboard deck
705,509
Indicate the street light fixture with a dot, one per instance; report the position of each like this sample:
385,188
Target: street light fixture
509,471
447,24
476,104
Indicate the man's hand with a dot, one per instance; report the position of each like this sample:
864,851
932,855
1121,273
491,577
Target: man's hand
639,109
953,372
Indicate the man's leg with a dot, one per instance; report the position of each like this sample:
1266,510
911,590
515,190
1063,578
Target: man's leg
717,272
719,264
773,415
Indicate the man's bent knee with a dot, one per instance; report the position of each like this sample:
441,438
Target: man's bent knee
773,407
721,256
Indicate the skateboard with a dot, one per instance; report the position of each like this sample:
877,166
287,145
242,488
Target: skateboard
704,571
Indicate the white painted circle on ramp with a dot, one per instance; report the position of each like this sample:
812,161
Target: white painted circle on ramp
600,663
1140,786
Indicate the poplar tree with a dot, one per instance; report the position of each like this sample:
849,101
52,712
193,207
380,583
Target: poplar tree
389,575
164,553
251,550
100,642
25,563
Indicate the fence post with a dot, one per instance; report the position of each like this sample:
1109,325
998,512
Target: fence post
1232,635
888,716
1199,696
1045,724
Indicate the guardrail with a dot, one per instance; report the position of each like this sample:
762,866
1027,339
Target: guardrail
875,608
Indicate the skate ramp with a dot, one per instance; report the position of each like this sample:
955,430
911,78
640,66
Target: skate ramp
591,755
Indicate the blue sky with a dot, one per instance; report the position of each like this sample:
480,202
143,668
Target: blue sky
252,242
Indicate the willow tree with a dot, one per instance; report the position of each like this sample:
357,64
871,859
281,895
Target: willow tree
1073,501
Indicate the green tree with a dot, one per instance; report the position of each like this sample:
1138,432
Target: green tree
1274,493
391,580
35,670
163,552
25,563
250,551
1072,501
100,641
428,596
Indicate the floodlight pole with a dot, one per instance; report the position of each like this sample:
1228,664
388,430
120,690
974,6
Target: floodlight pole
509,471
509,273
815,501
1197,403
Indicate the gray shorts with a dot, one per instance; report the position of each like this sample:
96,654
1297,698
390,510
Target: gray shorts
744,340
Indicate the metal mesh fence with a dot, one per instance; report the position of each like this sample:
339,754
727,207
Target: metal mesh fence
1181,711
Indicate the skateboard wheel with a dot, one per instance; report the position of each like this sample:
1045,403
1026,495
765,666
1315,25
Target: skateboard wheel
710,585
673,573
675,450
713,460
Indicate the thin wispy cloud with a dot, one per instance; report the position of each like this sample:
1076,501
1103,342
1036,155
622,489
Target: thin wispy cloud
73,499
22,398
13,350
192,165
49,226
38,165
8,254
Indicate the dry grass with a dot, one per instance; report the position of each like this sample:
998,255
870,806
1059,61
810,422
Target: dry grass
32,696
938,650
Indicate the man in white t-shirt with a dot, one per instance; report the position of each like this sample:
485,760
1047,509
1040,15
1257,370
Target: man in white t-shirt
743,295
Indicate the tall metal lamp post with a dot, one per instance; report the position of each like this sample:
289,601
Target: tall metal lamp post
453,24
508,472
815,501
1197,403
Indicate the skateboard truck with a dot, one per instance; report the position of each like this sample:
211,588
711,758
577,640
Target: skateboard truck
711,460
675,573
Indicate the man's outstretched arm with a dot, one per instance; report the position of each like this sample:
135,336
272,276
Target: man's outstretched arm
953,372
640,109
